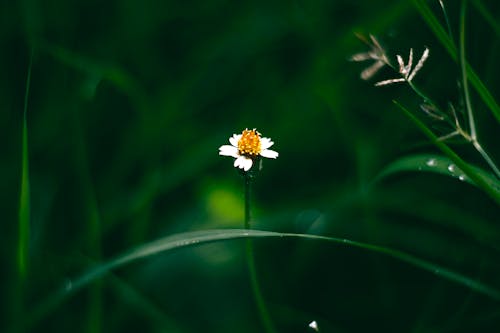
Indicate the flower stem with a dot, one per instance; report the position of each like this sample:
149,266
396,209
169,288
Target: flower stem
248,191
259,300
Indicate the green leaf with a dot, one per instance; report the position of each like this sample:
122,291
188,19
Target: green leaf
194,238
436,164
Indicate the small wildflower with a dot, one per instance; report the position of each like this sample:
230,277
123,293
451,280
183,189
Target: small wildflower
406,70
247,147
376,53
420,64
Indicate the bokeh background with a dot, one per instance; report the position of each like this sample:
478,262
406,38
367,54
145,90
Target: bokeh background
128,103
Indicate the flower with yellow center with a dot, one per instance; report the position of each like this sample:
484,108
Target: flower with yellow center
247,147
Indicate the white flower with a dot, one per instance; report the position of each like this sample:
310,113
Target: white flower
247,147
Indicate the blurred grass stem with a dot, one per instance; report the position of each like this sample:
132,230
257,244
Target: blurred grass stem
24,213
259,300
24,199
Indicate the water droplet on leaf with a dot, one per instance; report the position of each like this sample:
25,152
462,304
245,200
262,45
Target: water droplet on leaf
431,162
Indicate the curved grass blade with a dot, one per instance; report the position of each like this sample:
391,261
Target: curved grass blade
469,171
436,164
450,46
193,238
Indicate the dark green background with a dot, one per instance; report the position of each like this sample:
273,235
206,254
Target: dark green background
129,102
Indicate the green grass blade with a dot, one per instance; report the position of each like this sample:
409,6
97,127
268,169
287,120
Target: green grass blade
24,198
450,46
436,27
465,82
486,96
194,238
21,251
24,209
469,171
436,164
481,8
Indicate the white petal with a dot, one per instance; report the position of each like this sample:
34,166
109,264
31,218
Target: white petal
247,164
266,143
269,153
227,150
238,162
243,162
234,139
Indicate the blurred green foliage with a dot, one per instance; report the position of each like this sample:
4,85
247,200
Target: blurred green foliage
129,101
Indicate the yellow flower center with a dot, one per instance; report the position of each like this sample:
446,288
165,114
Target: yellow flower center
249,143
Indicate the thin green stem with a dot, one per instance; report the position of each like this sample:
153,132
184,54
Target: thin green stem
486,157
422,95
453,122
468,105
494,193
472,137
248,192
460,131
259,300
450,46
445,14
